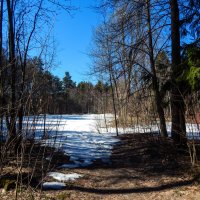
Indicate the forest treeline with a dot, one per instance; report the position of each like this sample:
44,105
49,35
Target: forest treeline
52,95
47,93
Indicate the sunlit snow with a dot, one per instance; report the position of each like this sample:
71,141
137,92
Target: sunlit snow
77,135
85,138
64,177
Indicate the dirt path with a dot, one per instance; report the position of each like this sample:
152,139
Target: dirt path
143,167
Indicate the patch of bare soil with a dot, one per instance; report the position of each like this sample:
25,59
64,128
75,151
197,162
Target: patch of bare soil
143,167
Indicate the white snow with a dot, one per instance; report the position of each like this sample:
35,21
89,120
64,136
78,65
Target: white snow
53,185
78,135
64,177
85,138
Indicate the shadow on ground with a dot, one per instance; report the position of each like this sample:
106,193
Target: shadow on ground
105,191
140,164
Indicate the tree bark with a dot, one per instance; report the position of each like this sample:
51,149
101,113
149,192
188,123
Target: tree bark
1,67
158,99
178,130
113,100
12,63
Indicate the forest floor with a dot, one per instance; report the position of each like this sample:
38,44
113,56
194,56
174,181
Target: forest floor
143,167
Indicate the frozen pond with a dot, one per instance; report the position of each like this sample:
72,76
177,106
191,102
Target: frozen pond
85,137
77,135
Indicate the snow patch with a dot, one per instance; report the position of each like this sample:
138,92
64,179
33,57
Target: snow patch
64,177
53,186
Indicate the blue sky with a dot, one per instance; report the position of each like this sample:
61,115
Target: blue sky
73,35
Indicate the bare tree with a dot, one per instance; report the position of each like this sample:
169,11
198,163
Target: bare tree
135,33
158,99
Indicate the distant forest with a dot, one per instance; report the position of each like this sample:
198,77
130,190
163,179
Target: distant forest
46,93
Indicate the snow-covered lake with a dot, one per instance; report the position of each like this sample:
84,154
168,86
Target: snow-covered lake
85,137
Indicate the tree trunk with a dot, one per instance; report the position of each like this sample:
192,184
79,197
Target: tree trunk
1,67
21,100
178,130
12,63
113,100
158,99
